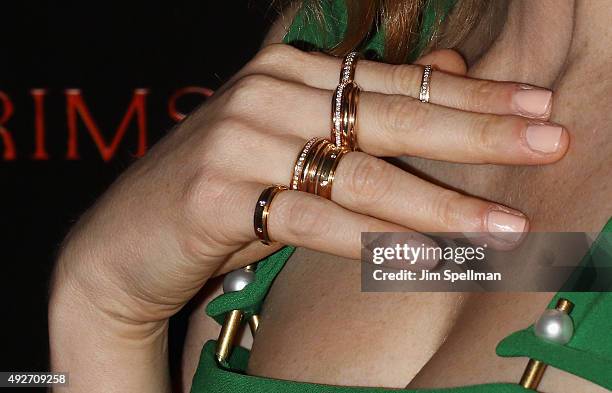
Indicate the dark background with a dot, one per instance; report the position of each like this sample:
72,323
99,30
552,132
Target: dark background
107,50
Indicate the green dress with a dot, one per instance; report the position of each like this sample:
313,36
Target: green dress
588,354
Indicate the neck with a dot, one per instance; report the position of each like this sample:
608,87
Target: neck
540,39
561,45
592,33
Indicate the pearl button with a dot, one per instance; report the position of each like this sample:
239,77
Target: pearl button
555,326
237,280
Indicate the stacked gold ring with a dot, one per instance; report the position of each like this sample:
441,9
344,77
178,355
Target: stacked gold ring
303,159
315,168
327,170
344,105
344,115
262,211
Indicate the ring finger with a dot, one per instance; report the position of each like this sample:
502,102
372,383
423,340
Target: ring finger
370,186
460,92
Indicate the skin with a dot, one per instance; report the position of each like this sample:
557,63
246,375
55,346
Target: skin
112,295
444,340
183,214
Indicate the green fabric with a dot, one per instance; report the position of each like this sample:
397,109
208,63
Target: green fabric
211,378
309,33
250,298
588,355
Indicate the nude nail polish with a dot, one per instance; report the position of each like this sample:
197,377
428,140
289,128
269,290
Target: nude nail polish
543,138
506,226
533,102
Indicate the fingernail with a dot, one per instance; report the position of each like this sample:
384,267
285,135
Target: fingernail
543,138
506,226
534,102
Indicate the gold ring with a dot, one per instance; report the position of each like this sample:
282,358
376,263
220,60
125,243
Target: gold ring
344,115
425,82
308,168
327,170
262,210
349,64
318,167
299,162
310,185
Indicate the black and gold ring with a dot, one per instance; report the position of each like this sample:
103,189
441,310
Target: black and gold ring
262,210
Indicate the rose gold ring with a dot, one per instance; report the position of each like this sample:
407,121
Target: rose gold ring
327,171
299,162
425,82
349,65
344,115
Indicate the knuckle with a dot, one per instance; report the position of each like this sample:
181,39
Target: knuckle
249,93
515,126
302,217
368,181
275,54
276,59
206,203
228,131
233,127
484,137
402,114
201,199
203,190
446,208
404,79
480,94
226,142
247,89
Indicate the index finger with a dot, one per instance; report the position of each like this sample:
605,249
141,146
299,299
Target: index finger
446,89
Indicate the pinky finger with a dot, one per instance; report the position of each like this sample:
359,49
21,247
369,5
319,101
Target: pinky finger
299,219
307,220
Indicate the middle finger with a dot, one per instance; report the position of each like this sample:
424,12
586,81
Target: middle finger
322,71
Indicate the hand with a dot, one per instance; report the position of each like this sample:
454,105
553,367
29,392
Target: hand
184,213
